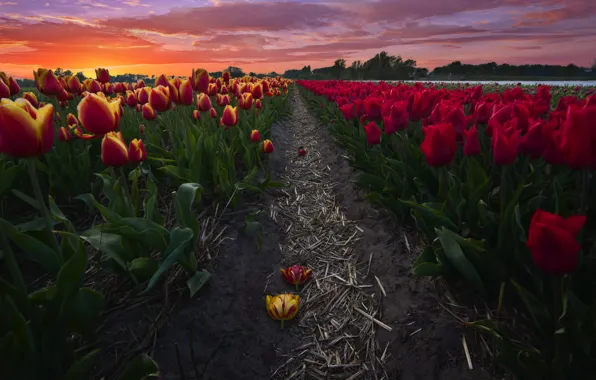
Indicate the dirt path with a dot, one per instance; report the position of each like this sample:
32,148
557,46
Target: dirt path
361,263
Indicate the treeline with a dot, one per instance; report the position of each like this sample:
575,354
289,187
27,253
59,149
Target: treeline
491,70
388,67
382,67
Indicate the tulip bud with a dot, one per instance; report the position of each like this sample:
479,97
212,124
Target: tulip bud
229,117
225,76
255,136
159,98
24,130
32,99
142,129
113,149
185,92
196,115
140,83
119,87
212,90
143,94
4,90
282,307
102,75
203,102
267,146
47,82
222,100
74,85
246,101
200,79
13,86
136,151
64,134
131,100
223,89
162,80
257,91
258,104
99,116
213,113
138,108
71,120
148,112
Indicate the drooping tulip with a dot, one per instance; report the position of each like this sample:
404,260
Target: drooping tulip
229,117
553,243
296,274
136,151
24,130
102,75
47,82
282,307
99,116
267,146
113,149
203,102
148,112
255,136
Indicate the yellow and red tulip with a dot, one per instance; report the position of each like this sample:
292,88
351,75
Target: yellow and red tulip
229,117
257,91
92,86
258,104
296,275
113,149
73,84
203,102
108,88
246,101
71,120
162,80
143,94
159,98
267,146
223,89
142,129
31,98
140,83
148,112
131,99
255,136
24,130
200,80
185,93
222,100
80,134
47,82
64,134
212,90
99,116
4,90
225,76
102,75
136,151
282,307
12,84
213,113
196,115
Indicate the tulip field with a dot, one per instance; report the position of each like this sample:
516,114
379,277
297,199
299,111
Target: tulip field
109,179
499,182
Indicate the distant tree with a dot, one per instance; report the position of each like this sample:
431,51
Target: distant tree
273,74
236,72
594,64
339,67
59,71
67,73
81,76
252,74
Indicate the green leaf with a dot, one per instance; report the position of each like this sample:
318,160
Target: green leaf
197,281
180,239
433,216
426,264
370,182
81,368
186,196
535,307
8,176
105,212
86,310
21,330
33,248
140,368
458,260
108,244
70,278
147,232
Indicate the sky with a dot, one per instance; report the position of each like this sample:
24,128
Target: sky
174,36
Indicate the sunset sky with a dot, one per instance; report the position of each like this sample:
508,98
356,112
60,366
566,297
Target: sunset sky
161,36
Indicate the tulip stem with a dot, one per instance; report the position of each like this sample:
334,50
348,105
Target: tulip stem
584,189
282,324
42,205
15,272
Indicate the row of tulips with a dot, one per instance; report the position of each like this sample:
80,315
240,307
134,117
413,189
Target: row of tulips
499,181
114,149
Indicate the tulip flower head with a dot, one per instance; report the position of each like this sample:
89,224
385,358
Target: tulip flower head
148,112
257,91
92,86
162,80
64,134
439,145
136,151
255,136
142,129
267,146
24,130
301,151
4,90
296,274
47,82
246,101
113,149
99,116
159,98
373,133
213,113
131,99
102,75
200,79
31,98
196,115
185,94
229,118
203,102
282,307
552,241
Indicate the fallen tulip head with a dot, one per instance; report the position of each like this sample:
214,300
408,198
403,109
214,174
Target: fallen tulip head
282,307
296,274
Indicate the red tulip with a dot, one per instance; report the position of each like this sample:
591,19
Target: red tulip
246,101
213,113
203,102
64,134
131,99
349,111
142,129
143,94
159,98
185,94
200,79
148,112
257,91
471,145
579,137
505,147
296,274
552,241
258,104
102,75
47,82
229,117
373,133
99,116
439,145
